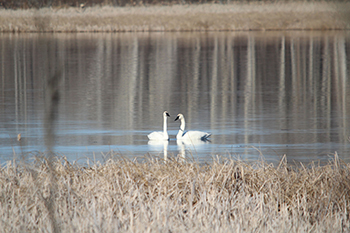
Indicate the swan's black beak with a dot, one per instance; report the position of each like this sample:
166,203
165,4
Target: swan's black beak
167,114
176,118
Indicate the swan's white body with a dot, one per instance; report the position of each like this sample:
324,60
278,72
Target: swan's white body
159,135
189,135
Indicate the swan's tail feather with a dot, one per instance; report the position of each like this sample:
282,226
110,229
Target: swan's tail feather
206,136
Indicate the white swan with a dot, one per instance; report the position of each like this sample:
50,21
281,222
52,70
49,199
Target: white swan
159,135
189,135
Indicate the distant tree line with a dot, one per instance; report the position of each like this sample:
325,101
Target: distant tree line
26,4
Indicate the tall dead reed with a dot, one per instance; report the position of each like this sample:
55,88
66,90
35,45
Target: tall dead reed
129,196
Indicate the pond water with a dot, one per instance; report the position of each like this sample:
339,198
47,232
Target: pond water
260,94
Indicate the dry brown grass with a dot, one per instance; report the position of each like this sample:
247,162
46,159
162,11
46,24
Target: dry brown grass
204,17
152,196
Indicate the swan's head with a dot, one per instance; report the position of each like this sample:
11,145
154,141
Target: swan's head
179,116
166,114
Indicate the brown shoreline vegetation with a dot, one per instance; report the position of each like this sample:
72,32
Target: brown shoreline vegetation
153,195
235,16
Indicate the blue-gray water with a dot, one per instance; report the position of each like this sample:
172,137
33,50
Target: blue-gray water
258,93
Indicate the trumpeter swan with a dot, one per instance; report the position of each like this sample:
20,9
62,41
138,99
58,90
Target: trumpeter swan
189,135
159,135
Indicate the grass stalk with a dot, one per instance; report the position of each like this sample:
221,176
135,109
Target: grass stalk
153,196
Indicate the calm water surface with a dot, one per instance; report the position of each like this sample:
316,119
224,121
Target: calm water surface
93,95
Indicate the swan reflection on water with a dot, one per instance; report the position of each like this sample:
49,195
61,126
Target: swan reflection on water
157,145
189,146
184,147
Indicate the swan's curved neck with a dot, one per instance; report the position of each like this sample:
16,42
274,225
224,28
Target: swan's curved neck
182,125
181,132
165,126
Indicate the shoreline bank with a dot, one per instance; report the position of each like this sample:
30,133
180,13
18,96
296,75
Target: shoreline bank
204,17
